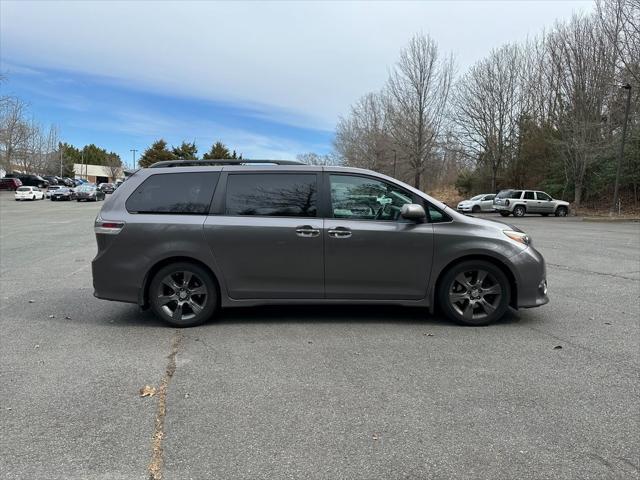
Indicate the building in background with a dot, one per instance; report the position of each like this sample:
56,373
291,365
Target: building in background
98,173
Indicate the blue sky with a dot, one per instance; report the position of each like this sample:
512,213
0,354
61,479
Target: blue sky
270,79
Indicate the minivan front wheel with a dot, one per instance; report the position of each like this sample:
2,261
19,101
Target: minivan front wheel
475,292
183,294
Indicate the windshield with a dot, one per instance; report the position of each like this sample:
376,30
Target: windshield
86,188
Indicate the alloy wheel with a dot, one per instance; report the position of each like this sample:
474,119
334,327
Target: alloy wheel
475,294
182,295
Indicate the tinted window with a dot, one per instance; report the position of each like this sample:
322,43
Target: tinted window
436,216
489,197
186,193
543,196
24,189
528,195
270,194
366,198
514,194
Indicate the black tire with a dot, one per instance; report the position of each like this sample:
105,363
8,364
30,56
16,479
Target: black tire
449,286
562,212
544,214
165,300
475,209
503,213
519,211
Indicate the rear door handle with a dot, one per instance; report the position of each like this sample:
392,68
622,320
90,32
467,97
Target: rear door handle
307,231
339,232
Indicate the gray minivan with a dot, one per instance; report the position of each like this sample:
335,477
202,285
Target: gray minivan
188,238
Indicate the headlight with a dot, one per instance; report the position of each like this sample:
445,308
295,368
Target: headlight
519,237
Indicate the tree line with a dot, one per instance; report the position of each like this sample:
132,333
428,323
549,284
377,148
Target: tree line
160,152
546,113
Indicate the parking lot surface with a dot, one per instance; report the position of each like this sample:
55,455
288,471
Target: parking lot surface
340,392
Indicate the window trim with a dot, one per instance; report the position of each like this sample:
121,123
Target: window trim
219,203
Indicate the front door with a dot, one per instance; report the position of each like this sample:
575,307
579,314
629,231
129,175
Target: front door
545,203
371,252
268,241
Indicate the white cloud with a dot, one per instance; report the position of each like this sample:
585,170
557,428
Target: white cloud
306,61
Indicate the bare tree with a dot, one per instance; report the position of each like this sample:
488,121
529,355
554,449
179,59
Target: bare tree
315,159
620,22
417,94
361,138
488,108
583,61
14,130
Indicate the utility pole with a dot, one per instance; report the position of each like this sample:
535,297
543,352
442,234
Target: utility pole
616,188
61,160
133,150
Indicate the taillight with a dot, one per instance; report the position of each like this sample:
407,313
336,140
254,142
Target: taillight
107,227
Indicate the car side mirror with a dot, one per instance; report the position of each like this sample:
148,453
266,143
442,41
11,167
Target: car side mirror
413,211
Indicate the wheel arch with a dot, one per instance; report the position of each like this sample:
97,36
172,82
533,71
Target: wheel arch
143,299
513,284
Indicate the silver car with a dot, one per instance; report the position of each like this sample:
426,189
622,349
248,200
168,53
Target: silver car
477,204
521,202
188,238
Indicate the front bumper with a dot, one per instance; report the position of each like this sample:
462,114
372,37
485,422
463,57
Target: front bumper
531,278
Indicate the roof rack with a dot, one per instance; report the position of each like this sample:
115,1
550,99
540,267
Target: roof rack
205,163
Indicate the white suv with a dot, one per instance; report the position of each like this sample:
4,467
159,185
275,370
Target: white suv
520,202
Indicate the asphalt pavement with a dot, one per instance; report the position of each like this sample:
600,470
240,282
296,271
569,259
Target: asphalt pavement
316,393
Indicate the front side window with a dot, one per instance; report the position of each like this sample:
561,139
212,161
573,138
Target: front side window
272,194
528,195
172,193
543,196
363,198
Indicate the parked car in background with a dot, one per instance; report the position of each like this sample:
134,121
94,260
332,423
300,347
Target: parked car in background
477,204
89,193
29,180
106,187
63,193
228,235
29,193
51,179
10,183
521,202
68,182
51,189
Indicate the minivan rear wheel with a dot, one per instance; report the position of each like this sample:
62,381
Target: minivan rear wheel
474,293
183,294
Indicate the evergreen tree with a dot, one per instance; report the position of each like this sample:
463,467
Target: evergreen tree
186,151
157,152
218,151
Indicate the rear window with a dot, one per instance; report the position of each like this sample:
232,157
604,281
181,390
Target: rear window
23,189
174,193
278,195
528,195
509,194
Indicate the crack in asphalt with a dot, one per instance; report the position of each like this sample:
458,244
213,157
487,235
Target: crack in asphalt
583,270
157,455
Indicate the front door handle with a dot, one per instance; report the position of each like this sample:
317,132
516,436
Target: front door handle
339,232
307,231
